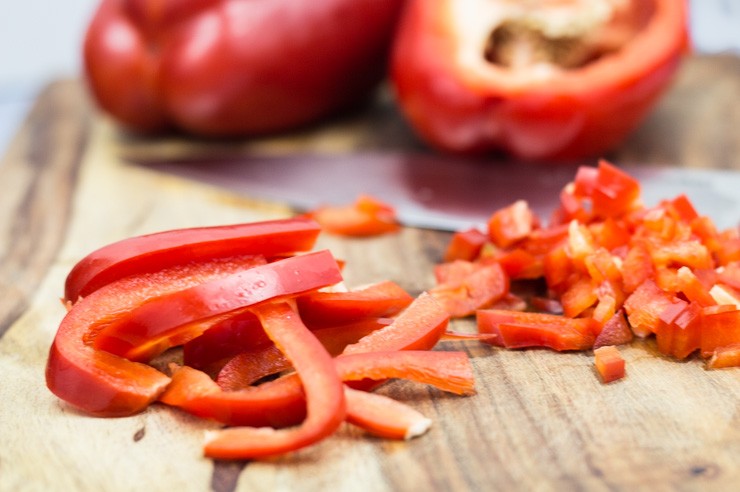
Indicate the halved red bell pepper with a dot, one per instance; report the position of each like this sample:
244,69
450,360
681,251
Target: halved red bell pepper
166,321
99,382
539,80
153,252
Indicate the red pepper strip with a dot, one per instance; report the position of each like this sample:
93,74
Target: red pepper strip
485,285
515,329
281,402
324,393
101,383
383,416
246,368
382,299
418,327
166,321
164,249
368,216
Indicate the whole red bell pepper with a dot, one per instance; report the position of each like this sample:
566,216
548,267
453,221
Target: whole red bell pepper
538,80
227,68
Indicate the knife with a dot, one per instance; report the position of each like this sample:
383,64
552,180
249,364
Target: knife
439,191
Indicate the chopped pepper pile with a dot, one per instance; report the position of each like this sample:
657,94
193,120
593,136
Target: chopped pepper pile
609,269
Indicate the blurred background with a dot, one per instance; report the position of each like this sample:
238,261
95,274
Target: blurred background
40,41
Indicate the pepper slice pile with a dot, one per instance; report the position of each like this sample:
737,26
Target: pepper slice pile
246,302
608,268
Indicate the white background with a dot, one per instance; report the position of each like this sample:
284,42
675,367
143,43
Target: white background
40,40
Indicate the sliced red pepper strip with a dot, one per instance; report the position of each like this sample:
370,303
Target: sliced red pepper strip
166,321
153,252
324,393
104,384
367,216
281,402
334,308
383,416
486,284
418,327
514,329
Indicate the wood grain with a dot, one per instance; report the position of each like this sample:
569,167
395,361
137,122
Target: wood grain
540,420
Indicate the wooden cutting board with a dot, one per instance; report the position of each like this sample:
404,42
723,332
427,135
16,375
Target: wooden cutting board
540,420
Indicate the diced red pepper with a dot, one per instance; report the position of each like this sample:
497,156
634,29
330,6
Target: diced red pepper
609,363
511,224
465,245
727,356
486,284
720,327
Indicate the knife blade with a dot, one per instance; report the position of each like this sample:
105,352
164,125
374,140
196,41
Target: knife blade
438,191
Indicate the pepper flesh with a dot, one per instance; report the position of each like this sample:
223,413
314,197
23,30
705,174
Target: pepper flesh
460,98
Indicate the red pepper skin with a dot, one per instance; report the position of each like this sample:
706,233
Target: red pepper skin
228,68
170,320
472,106
104,384
152,252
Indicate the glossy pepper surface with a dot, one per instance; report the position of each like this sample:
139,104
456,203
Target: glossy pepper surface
230,68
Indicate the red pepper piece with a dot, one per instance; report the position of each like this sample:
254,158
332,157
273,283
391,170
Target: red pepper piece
609,363
334,308
515,329
616,331
720,327
104,384
615,192
486,284
418,327
164,249
511,224
383,416
368,216
166,321
727,356
324,392
465,245
645,306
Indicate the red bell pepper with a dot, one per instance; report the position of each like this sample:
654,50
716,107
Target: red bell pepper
163,249
383,416
99,382
227,68
166,321
538,80
480,285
